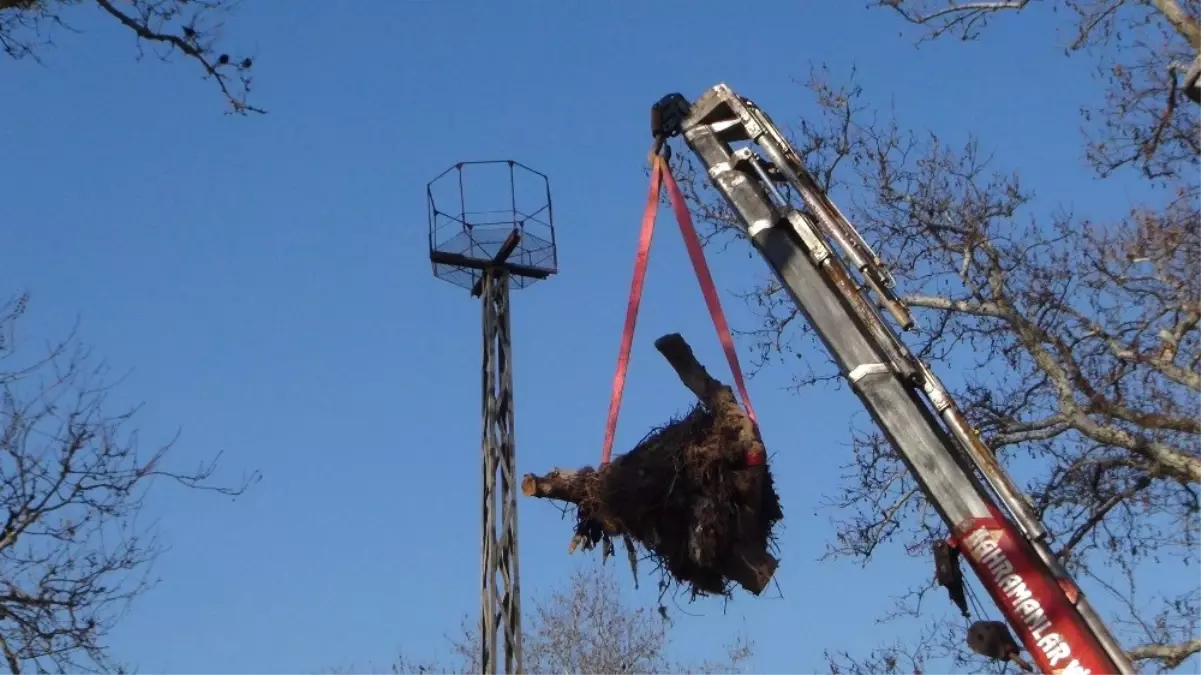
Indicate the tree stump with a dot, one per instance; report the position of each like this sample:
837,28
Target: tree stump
696,493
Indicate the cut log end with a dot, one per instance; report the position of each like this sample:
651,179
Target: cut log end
560,484
751,567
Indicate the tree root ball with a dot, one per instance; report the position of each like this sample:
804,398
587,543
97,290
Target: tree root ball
685,493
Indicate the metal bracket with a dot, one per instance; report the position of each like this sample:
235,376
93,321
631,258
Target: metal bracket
668,115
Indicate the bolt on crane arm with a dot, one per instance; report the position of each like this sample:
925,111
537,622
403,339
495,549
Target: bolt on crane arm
992,525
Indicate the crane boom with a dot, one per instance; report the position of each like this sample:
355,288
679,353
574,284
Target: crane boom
991,523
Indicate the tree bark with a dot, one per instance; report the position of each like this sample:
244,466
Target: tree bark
712,393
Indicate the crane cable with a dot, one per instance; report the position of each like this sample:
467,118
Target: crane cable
660,174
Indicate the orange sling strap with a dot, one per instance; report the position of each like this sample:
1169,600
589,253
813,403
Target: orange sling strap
661,173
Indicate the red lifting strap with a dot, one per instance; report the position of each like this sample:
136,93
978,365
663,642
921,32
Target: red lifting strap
660,173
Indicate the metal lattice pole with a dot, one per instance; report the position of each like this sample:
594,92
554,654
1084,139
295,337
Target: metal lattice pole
499,604
489,254
488,549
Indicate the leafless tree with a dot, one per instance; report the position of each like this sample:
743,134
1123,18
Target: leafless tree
72,487
165,27
1146,52
1076,341
586,627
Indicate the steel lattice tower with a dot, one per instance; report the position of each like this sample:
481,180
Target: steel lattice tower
489,251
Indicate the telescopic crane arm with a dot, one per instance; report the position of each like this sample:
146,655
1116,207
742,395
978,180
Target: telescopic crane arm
992,525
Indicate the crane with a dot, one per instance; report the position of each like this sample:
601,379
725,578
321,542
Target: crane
840,285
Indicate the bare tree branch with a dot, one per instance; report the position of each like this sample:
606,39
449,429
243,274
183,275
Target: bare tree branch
967,17
188,27
72,486
1170,656
1146,51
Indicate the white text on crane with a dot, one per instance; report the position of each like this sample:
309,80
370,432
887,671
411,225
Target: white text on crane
983,547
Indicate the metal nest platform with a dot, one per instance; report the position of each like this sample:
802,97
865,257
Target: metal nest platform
488,214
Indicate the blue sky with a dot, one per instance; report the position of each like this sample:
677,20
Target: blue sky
267,281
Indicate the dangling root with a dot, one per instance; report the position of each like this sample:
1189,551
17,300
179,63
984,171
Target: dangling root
686,492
